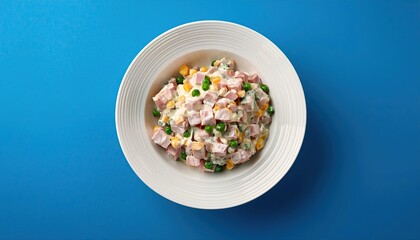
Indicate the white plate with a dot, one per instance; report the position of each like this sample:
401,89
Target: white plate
198,43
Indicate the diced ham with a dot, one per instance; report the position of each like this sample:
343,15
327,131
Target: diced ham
192,104
192,161
221,85
198,78
254,130
231,63
263,97
200,134
240,156
166,94
242,75
211,70
219,148
199,153
223,102
210,98
207,117
173,81
209,145
223,114
161,138
235,84
265,119
231,132
172,152
232,95
194,118
230,73
249,102
232,107
254,78
180,127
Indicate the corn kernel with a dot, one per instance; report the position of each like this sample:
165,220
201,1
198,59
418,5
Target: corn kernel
175,142
187,86
216,108
263,136
229,164
241,137
260,113
216,63
165,119
192,71
264,107
170,104
215,80
241,93
181,99
184,70
203,69
155,128
215,87
197,145
259,144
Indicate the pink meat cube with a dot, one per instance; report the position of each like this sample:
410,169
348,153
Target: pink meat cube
232,107
254,78
200,134
165,94
219,148
221,85
230,73
210,98
223,102
240,156
235,84
194,118
209,146
172,152
180,127
263,97
223,114
254,130
231,95
199,153
242,75
192,104
248,103
161,138
211,70
192,161
198,78
265,119
207,117
231,132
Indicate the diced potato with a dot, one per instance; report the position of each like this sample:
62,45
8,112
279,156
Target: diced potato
187,86
184,70
241,93
229,164
203,69
175,142
193,71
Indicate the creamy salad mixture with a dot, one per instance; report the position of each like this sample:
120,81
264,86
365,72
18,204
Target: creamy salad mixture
212,117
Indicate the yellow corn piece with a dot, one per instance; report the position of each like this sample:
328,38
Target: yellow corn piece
181,99
241,93
192,71
216,108
184,70
197,145
241,137
215,80
260,113
175,142
264,107
187,86
216,63
259,144
215,86
170,104
263,136
203,69
155,128
229,164
165,119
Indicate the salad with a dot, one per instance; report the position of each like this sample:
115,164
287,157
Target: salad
214,117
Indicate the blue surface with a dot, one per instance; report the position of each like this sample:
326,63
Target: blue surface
63,174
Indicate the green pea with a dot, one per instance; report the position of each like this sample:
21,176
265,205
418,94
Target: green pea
183,156
218,168
270,110
246,86
156,113
206,80
212,63
220,127
205,87
180,80
168,130
233,143
208,164
265,88
208,129
187,134
195,93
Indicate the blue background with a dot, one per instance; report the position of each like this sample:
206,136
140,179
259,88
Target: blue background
63,174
